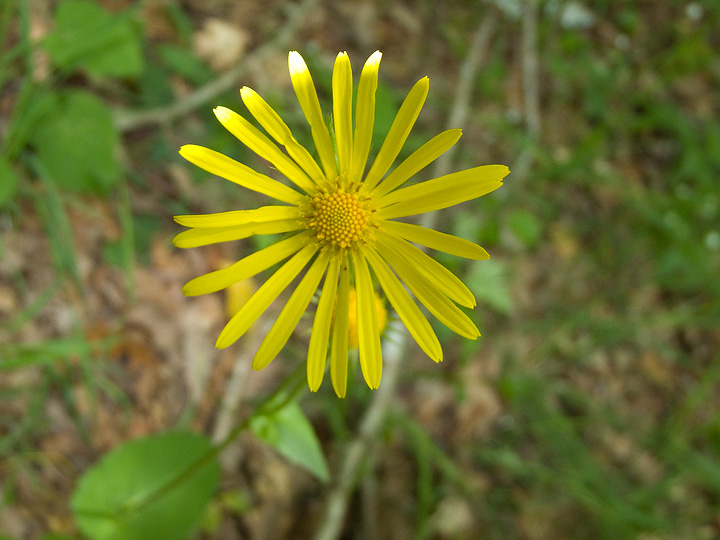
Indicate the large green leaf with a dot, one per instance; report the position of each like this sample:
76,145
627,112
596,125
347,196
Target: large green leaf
86,35
152,488
76,143
289,431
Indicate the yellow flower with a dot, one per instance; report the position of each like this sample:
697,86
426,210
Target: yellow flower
339,220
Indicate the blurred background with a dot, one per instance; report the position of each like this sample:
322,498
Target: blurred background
590,406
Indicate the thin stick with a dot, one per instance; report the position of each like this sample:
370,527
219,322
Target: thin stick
479,45
233,395
396,345
531,86
127,120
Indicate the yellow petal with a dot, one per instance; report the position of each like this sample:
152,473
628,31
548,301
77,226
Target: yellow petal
206,236
263,297
249,266
254,139
409,313
433,239
418,160
221,165
437,303
240,217
318,348
368,333
442,192
399,131
289,317
278,130
339,349
307,96
442,278
364,115
342,110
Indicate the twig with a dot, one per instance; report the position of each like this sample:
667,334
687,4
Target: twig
531,92
371,525
479,45
127,120
233,395
227,413
395,346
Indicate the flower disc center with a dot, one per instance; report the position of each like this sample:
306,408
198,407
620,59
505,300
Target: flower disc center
339,218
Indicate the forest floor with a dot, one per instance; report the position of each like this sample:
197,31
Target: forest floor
589,408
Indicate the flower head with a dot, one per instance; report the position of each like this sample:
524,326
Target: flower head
339,221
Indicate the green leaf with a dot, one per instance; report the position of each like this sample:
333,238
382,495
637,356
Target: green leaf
525,227
33,103
154,88
289,431
76,142
8,182
470,225
154,488
87,36
185,64
488,282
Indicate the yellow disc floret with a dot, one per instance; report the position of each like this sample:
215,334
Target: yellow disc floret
339,218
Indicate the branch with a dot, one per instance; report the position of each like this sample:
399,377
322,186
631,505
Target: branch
128,120
463,93
531,92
